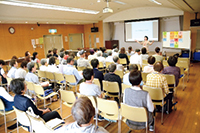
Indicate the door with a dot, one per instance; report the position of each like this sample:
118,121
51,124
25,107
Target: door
52,41
76,41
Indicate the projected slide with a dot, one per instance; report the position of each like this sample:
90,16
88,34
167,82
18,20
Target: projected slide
136,30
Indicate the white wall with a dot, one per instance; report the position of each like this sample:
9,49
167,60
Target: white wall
166,24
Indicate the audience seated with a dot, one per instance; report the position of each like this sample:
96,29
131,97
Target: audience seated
122,54
110,57
100,58
97,74
70,70
14,65
117,62
116,52
114,47
21,72
52,66
132,67
55,51
136,97
66,55
35,58
95,51
144,54
103,49
48,56
27,56
2,73
83,113
21,102
88,88
7,99
73,55
31,77
92,55
43,66
149,68
172,69
78,55
156,79
82,62
112,77
130,52
50,52
157,55
136,58
61,59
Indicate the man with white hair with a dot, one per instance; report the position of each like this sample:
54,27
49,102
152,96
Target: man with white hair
110,57
82,62
100,58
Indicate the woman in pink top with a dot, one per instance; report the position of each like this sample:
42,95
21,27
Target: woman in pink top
149,67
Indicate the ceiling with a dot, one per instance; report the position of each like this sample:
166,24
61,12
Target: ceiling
16,14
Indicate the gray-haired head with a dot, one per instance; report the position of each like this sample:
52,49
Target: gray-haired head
43,61
62,54
99,53
109,53
115,59
116,50
30,65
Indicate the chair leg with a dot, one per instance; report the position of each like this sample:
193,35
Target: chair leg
5,122
17,127
162,115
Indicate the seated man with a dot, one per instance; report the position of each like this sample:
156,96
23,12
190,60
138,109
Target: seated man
100,58
83,113
136,58
149,68
70,70
117,62
43,66
91,56
14,65
172,69
157,55
116,52
136,97
7,99
82,62
112,77
110,57
156,79
88,88
97,74
132,67
31,77
21,72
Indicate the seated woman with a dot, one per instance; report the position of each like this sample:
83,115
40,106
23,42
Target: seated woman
149,67
122,55
52,66
22,102
7,99
83,113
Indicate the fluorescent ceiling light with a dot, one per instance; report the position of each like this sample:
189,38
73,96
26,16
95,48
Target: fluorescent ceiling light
154,1
119,2
46,6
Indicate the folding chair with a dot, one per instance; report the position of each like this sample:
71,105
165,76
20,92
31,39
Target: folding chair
5,113
108,63
71,79
144,77
111,87
40,91
185,65
69,98
96,81
120,73
183,76
136,114
23,119
51,77
57,62
42,74
59,77
31,89
123,61
157,97
124,86
165,63
109,110
144,62
81,68
171,81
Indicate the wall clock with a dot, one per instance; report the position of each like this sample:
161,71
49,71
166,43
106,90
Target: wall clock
11,30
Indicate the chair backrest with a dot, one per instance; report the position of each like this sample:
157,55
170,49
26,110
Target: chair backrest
30,85
182,70
165,63
59,77
38,89
101,65
96,81
145,62
22,117
110,86
108,107
155,93
81,68
2,106
68,97
120,73
183,59
108,63
50,75
137,114
70,78
183,64
42,74
122,60
9,80
170,79
124,86
144,76
57,62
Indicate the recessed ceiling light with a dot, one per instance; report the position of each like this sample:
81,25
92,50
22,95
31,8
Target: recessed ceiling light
98,0
47,22
46,6
26,22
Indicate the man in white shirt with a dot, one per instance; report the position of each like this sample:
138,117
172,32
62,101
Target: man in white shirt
14,64
91,56
117,62
110,57
100,58
52,66
43,66
82,62
136,58
116,52
21,72
126,76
